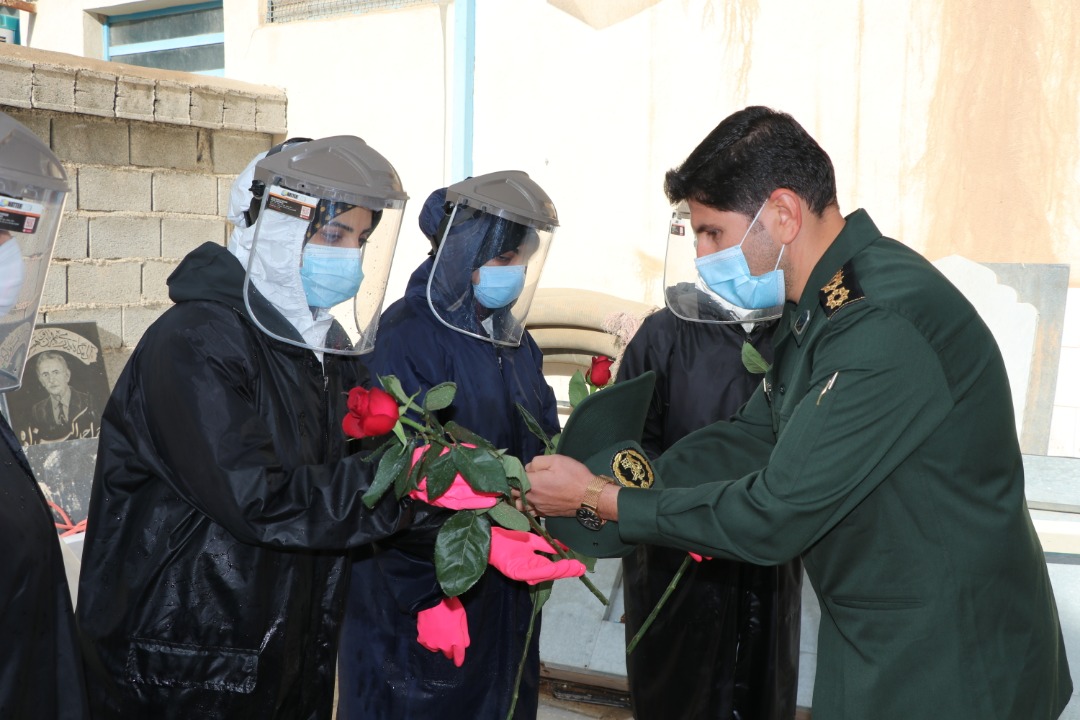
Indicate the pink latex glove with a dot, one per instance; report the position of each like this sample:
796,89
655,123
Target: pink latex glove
460,495
514,554
699,558
444,628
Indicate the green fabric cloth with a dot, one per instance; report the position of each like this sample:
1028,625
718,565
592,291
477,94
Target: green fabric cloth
882,448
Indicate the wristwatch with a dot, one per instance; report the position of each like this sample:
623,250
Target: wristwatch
587,514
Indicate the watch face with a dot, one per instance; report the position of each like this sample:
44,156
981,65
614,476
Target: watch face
588,518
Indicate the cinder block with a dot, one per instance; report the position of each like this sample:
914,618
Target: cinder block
72,238
231,151
271,115
134,98
239,111
87,139
38,122
95,93
155,273
104,283
124,236
179,236
168,146
172,103
207,107
54,87
224,187
185,193
115,361
55,291
113,189
137,318
108,320
16,82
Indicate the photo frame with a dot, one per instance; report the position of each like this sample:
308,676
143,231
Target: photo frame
64,388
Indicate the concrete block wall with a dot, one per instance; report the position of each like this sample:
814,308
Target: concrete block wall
150,156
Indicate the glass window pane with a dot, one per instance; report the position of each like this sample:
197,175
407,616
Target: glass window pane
165,27
189,59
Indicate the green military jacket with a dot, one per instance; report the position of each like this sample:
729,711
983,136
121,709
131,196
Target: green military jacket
882,448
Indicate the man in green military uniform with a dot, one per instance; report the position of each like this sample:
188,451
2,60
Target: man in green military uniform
881,448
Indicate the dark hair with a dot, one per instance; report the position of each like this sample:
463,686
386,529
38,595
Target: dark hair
746,157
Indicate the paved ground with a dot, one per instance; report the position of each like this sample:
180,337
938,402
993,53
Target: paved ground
556,705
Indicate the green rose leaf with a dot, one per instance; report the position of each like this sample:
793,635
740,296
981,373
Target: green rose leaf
481,469
440,476
514,472
465,435
440,396
393,386
752,359
540,594
579,390
409,476
390,467
535,429
506,515
461,551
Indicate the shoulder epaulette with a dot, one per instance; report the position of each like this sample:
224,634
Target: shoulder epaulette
841,291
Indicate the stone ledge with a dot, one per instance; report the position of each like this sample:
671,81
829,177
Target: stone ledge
32,78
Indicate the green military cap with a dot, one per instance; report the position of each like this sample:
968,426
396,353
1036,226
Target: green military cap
603,432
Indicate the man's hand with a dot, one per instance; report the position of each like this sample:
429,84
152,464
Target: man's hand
557,485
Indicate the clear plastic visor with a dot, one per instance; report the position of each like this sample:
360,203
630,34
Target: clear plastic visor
486,272
318,267
28,224
686,294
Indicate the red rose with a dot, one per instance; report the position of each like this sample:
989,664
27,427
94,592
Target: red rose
371,412
600,372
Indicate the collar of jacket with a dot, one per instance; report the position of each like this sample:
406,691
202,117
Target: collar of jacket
858,232
210,272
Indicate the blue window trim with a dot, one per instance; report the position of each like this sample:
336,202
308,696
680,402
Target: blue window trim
119,51
170,44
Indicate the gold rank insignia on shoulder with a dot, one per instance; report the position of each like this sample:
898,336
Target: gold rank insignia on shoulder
632,469
841,291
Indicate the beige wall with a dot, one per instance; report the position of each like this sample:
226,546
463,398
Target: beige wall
954,123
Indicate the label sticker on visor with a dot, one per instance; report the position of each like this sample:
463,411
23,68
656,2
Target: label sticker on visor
677,228
292,203
19,215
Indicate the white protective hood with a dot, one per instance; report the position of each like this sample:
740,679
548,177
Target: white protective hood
275,274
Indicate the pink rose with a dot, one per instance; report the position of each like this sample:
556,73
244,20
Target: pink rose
371,412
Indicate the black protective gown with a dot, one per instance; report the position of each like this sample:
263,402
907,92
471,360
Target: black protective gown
40,670
726,644
213,574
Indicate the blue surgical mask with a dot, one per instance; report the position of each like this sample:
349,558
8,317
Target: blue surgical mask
727,274
499,285
331,275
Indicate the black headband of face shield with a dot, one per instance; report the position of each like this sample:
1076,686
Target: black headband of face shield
258,187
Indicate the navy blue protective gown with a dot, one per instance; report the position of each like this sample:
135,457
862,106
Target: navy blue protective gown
384,672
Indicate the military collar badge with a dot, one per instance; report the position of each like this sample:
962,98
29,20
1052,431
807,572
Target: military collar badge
841,291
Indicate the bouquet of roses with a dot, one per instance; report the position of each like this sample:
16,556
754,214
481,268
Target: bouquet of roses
451,467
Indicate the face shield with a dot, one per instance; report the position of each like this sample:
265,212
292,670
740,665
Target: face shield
33,187
687,293
322,244
492,244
